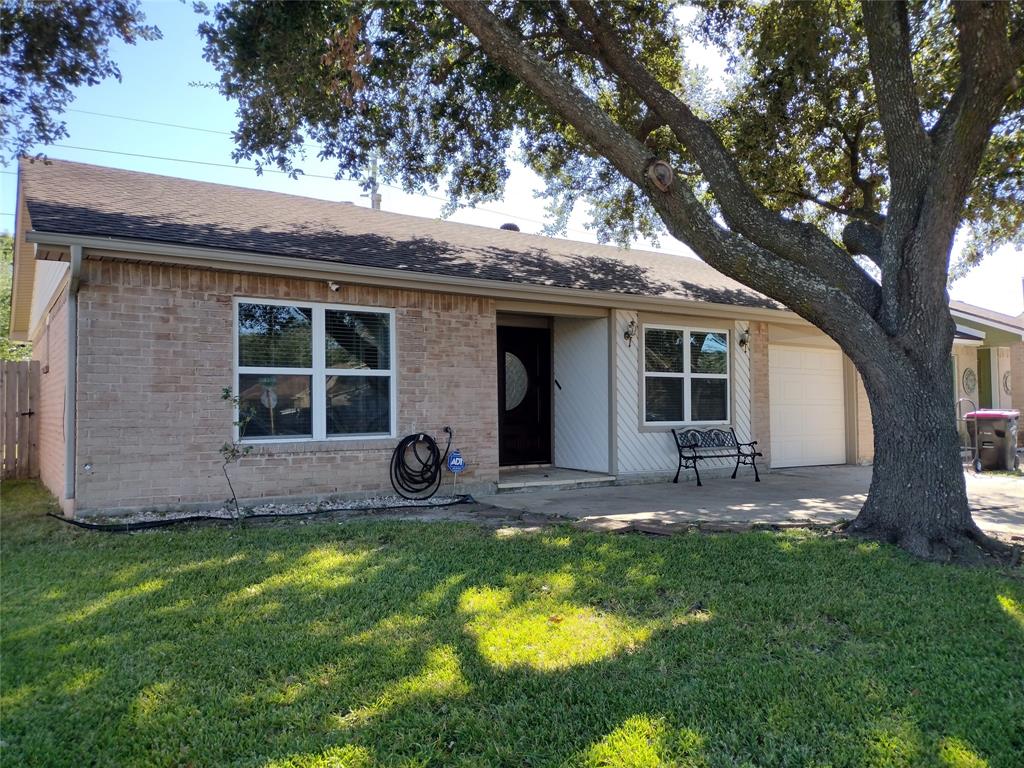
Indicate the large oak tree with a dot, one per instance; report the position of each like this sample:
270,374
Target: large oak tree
856,143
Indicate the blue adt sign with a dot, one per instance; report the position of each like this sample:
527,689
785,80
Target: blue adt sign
456,463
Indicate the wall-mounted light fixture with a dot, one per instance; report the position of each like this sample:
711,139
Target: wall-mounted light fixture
743,340
630,333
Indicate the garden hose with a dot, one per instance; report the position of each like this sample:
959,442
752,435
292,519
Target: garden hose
416,465
145,525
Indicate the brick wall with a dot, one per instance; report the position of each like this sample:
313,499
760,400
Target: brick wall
50,348
760,412
865,431
155,351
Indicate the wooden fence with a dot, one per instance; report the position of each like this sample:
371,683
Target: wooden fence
19,424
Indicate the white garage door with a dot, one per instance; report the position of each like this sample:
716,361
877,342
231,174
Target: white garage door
805,387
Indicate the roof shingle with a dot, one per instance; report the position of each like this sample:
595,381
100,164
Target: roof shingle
79,199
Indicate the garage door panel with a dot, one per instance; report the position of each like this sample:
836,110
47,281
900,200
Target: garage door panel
788,358
807,402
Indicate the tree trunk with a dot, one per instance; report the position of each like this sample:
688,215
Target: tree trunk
918,498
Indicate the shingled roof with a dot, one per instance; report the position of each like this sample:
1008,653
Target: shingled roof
79,199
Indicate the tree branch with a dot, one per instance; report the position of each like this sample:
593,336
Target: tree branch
798,242
907,145
863,238
989,65
835,311
888,33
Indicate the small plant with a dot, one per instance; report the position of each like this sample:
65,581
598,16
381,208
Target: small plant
233,450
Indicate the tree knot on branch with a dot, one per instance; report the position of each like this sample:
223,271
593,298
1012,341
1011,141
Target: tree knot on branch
661,174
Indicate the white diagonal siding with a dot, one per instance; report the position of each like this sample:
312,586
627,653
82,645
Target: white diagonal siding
581,396
653,452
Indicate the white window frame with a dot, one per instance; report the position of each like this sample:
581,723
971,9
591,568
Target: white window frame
319,371
687,375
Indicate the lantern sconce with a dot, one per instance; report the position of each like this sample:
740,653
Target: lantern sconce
743,340
630,333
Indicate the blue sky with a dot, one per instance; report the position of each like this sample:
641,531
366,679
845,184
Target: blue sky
157,85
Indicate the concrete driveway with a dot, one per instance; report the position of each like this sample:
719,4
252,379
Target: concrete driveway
805,495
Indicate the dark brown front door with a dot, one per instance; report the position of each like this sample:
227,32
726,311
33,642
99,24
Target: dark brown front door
524,395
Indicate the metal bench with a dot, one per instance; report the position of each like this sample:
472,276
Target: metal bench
697,444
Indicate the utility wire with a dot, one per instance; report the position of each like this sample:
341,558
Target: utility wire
151,122
275,170
184,127
267,170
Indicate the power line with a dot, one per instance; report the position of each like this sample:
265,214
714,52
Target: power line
275,170
182,126
269,170
150,122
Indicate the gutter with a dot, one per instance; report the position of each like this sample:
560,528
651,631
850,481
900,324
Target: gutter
959,313
71,377
969,334
300,267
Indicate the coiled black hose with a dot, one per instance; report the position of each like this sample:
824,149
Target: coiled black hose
416,465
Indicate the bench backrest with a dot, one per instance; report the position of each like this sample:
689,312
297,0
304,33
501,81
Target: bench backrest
705,438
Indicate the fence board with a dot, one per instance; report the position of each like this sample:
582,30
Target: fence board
19,430
21,458
10,417
33,423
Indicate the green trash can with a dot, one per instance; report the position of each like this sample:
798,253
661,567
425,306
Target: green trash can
994,432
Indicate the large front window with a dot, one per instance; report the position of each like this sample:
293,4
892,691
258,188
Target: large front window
686,375
314,371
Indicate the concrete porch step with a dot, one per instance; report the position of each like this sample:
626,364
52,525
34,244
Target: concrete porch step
556,482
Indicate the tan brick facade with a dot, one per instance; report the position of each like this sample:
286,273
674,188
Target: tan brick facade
155,352
865,433
50,348
760,413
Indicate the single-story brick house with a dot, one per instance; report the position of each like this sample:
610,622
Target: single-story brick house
988,356
343,328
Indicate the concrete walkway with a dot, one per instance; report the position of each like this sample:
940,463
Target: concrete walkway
812,495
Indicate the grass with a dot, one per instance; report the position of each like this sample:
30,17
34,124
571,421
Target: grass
399,644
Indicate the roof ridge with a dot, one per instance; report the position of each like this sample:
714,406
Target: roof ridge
560,241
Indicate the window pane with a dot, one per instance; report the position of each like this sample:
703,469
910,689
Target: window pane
517,382
709,399
358,340
275,337
708,352
663,351
664,401
358,405
275,405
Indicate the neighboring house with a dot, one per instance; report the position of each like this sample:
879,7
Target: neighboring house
343,329
988,356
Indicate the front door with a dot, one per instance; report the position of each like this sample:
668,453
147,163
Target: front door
524,395
985,378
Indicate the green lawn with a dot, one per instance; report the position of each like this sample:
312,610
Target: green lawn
405,644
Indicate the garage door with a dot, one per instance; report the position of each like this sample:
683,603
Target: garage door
808,424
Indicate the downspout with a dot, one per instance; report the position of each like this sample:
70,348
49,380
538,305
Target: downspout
71,377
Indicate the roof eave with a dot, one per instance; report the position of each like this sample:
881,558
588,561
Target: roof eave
22,276
978,319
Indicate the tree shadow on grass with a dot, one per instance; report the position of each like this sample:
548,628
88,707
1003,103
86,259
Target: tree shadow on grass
385,644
